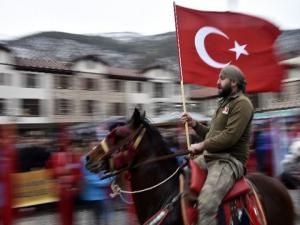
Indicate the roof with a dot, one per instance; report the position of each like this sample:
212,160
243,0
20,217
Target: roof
53,66
94,58
4,48
42,65
122,73
204,92
152,67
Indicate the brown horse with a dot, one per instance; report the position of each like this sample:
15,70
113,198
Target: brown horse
135,146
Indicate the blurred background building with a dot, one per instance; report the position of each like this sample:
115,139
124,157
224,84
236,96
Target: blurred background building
40,90
36,93
88,84
53,78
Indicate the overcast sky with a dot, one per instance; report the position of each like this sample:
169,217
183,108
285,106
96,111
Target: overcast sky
22,17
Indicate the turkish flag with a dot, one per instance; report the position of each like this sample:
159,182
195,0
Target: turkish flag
208,41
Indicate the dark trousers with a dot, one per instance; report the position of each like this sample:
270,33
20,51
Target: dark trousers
99,210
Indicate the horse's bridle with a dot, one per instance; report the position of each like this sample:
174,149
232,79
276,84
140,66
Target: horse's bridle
131,145
128,146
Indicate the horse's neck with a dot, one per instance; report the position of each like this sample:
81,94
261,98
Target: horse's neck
155,172
150,176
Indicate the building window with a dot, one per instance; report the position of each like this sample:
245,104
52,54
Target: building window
139,87
89,107
2,78
158,90
31,107
90,84
5,79
31,80
117,109
63,82
117,85
2,107
63,106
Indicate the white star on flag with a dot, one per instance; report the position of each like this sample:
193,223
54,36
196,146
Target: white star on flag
239,50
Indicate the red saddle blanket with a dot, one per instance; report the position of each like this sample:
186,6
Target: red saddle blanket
198,177
195,181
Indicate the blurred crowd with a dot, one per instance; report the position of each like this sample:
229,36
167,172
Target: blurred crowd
273,144
274,151
77,189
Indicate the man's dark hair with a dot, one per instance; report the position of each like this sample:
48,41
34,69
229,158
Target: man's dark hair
234,73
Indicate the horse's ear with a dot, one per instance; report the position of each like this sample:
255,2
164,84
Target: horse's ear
136,118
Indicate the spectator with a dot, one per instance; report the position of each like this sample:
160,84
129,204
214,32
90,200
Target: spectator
264,150
95,194
291,166
291,173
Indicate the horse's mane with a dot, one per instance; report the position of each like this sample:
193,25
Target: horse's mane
155,137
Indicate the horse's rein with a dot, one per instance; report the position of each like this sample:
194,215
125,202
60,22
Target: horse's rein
157,159
117,190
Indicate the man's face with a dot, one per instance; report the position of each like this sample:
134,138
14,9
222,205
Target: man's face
224,86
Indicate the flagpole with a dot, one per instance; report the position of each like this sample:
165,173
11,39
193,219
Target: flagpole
181,80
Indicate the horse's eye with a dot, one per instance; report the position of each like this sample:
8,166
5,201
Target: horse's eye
126,146
120,136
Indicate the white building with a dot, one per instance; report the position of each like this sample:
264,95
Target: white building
38,93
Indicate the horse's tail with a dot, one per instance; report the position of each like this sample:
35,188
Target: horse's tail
275,199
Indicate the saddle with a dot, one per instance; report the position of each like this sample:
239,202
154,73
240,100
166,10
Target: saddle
191,183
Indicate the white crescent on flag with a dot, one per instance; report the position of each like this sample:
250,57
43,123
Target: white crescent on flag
200,46
201,50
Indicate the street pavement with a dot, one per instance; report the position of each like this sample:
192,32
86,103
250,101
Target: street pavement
81,217
119,215
48,215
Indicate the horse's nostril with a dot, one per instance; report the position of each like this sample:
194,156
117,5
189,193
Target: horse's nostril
87,158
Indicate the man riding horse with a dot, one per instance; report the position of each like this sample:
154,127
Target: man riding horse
225,143
166,196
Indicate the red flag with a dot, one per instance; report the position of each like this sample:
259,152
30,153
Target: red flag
208,41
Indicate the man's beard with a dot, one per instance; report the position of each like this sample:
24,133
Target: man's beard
225,91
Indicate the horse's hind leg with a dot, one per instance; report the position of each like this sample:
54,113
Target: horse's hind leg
276,200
